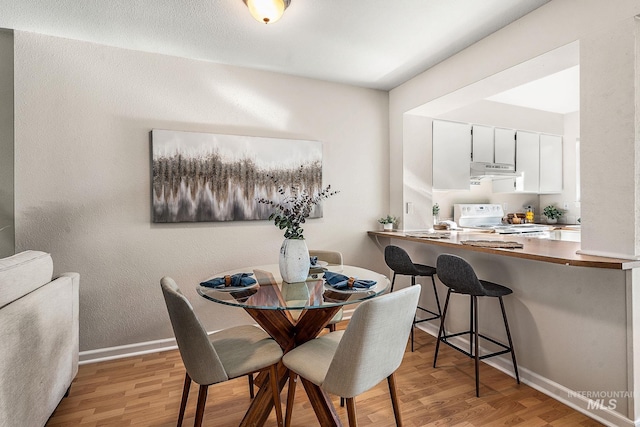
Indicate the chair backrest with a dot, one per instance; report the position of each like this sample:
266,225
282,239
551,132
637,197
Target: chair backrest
457,274
198,355
399,261
373,344
332,257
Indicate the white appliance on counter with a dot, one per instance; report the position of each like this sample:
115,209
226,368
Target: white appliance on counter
489,217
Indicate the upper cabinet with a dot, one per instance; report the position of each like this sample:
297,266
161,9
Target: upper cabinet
459,146
528,161
550,164
539,164
505,146
451,155
482,146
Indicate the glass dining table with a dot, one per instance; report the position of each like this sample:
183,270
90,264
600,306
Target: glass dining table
293,313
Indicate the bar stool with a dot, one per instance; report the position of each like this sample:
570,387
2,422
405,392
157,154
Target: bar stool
458,275
398,260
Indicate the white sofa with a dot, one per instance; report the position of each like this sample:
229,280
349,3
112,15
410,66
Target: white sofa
38,338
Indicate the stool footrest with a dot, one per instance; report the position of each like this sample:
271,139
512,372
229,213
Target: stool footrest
506,348
434,315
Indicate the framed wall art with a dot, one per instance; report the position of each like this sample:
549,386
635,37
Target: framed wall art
213,177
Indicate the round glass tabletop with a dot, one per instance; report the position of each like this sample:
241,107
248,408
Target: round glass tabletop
270,292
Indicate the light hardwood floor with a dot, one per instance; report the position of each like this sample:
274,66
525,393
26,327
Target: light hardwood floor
145,391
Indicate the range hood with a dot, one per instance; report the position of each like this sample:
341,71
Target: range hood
482,170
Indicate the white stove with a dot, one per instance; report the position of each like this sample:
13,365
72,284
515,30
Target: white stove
489,217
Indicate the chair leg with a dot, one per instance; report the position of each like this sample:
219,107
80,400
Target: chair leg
273,378
202,400
393,281
185,396
513,353
293,378
351,411
332,327
475,335
441,330
342,402
251,393
391,379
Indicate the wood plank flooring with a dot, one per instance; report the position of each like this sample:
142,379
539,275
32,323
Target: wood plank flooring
145,391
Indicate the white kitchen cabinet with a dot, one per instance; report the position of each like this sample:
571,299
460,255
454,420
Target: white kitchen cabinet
528,160
482,144
505,146
451,155
550,164
527,147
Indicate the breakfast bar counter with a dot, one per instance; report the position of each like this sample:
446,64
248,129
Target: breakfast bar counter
533,248
573,317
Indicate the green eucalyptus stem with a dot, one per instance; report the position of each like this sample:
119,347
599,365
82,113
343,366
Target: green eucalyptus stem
294,208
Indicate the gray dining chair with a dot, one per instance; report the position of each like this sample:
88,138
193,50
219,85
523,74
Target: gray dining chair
350,362
333,258
215,358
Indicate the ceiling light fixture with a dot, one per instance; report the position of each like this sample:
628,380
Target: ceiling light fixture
267,11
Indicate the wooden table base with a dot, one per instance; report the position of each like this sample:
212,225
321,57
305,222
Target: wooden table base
289,334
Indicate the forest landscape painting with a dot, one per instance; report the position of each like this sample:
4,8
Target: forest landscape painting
212,177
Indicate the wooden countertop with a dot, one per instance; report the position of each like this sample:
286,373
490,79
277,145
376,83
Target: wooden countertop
553,251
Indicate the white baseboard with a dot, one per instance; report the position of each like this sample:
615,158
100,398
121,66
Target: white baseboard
552,389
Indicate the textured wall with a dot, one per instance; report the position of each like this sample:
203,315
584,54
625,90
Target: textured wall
7,243
83,116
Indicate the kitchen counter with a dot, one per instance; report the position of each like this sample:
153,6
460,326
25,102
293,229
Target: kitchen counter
534,248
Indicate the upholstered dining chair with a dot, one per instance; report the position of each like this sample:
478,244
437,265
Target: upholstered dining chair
224,355
334,258
350,362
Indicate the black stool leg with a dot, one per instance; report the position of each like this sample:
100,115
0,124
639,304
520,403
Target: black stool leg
413,325
435,292
393,281
441,330
471,329
513,353
475,336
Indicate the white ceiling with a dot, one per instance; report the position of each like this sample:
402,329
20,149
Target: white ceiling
558,93
371,43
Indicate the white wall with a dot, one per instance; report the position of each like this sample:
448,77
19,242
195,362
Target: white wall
7,243
83,116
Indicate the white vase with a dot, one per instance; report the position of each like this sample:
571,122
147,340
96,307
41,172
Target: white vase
552,221
294,260
387,227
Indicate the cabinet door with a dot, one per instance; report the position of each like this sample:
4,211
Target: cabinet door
482,144
451,155
528,160
550,164
505,146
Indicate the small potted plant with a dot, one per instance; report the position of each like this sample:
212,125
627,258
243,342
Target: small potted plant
552,214
435,210
388,222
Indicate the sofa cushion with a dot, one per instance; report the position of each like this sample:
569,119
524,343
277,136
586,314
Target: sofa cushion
23,273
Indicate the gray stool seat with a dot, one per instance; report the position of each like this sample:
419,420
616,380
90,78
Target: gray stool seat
494,290
398,260
458,275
